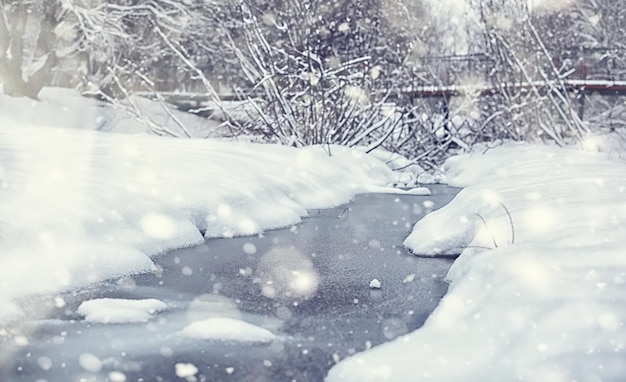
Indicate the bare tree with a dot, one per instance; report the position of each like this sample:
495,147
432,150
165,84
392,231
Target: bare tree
28,45
316,82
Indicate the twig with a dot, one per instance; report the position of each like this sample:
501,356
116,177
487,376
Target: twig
508,213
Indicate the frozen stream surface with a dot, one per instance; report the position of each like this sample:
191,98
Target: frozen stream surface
336,284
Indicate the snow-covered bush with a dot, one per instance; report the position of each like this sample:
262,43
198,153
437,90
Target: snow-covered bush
311,96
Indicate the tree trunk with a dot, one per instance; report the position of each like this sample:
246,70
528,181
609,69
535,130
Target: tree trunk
12,49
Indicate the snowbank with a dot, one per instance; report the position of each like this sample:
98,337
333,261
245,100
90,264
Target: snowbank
227,329
119,310
539,293
67,108
79,206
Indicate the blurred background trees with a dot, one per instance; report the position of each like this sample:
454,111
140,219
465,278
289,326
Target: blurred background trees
27,45
338,71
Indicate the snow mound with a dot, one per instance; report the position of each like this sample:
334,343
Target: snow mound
538,292
227,329
119,311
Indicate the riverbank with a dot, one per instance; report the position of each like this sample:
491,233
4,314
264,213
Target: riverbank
538,291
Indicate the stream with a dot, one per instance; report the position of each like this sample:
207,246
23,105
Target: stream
314,285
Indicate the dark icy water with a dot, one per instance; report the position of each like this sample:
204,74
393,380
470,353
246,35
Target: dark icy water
309,284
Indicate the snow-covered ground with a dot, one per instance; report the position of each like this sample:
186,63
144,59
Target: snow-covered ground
66,108
539,291
78,206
